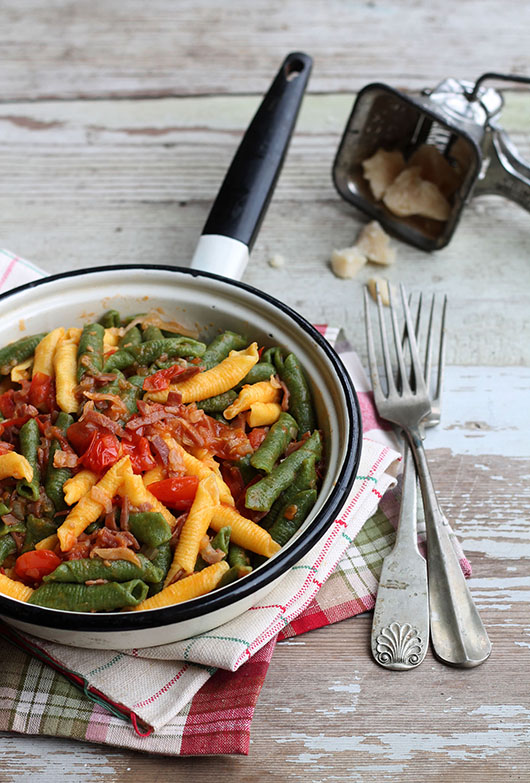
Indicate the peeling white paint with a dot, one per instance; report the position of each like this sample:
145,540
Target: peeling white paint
475,422
291,643
501,710
498,550
21,754
339,687
459,745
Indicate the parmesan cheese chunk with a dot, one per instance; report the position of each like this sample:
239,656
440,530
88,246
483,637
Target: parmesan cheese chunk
373,283
347,262
374,243
435,168
276,261
381,170
409,194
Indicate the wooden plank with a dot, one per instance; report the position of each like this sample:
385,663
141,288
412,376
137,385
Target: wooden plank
73,48
133,182
346,719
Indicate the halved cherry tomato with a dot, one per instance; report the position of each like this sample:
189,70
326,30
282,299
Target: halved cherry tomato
177,493
32,566
7,404
81,434
42,392
103,452
139,451
256,436
162,379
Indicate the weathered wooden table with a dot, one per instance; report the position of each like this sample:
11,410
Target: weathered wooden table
117,123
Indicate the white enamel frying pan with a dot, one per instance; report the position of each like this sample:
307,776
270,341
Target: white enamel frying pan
207,294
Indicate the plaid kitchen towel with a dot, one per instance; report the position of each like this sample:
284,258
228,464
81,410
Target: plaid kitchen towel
198,696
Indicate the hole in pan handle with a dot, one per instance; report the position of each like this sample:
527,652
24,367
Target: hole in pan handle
237,212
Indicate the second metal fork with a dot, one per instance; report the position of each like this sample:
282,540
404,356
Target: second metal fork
458,635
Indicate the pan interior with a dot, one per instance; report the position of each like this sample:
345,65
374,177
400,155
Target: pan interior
205,303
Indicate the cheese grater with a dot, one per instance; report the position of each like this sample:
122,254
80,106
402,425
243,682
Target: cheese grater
460,120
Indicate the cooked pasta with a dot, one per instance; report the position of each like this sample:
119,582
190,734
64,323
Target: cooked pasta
140,467
65,365
45,351
74,488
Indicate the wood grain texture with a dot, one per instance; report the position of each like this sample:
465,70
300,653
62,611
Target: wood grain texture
133,181
117,123
346,719
73,48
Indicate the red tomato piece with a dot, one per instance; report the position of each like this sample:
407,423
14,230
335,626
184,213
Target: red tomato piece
7,404
103,452
177,493
16,422
32,566
162,379
42,392
81,434
256,436
139,451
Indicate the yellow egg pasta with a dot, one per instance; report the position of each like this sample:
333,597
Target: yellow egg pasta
263,414
221,378
155,474
194,528
65,366
264,391
138,494
88,510
21,372
245,533
50,542
45,351
74,488
15,466
111,337
192,586
14,589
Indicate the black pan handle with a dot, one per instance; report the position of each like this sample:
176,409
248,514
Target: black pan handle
247,188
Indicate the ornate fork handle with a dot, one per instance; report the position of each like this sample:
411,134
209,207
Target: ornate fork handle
400,629
458,635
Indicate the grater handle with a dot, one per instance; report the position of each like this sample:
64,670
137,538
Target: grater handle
507,175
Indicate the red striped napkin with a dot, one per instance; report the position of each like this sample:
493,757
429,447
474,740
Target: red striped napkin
198,696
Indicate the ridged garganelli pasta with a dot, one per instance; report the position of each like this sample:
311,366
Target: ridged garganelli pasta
219,379
65,366
45,352
88,509
16,466
192,586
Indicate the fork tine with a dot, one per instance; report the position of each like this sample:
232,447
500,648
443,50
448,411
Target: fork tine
418,374
372,362
391,385
428,347
441,353
405,386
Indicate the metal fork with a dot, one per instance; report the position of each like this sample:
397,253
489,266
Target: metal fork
434,386
457,633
